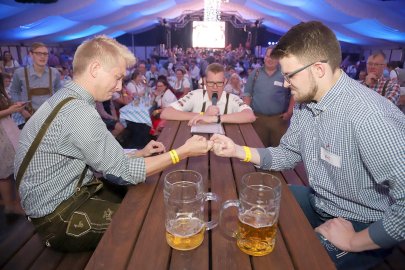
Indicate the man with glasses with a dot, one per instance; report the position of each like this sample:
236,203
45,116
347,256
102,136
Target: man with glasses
34,83
199,106
376,81
270,101
351,141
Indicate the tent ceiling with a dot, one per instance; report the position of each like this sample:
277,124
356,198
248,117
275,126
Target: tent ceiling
359,22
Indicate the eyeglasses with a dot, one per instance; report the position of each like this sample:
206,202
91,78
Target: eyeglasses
288,76
45,54
160,85
371,64
217,84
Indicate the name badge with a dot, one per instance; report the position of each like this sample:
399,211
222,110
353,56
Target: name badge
277,83
331,158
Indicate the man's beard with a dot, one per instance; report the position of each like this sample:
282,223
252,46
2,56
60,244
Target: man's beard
310,96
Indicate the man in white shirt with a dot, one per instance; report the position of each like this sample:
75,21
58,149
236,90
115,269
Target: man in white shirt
199,107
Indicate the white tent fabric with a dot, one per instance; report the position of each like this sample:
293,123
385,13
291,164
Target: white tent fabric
359,22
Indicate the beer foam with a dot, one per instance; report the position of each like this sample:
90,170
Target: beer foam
257,219
185,227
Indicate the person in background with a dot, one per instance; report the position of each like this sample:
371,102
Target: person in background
194,74
136,87
197,106
152,76
362,75
35,83
270,101
164,96
77,144
234,85
377,82
351,141
9,64
110,120
396,73
9,135
181,84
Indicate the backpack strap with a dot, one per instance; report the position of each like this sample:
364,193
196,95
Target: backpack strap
34,146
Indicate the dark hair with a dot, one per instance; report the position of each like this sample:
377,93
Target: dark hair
163,79
309,42
135,74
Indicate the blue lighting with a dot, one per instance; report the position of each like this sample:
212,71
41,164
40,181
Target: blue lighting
104,8
7,11
325,12
88,32
272,13
117,34
376,30
158,8
46,26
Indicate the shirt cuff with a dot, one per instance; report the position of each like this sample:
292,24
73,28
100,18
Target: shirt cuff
380,236
265,158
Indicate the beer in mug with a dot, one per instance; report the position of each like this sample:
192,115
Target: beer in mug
256,233
185,233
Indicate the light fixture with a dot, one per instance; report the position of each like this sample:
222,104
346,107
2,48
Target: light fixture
212,10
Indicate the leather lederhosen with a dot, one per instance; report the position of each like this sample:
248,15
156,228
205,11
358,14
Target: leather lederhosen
40,91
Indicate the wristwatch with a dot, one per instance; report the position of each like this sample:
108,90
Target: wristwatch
218,119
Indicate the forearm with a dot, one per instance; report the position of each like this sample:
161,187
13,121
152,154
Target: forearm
5,112
170,113
158,163
362,241
245,116
240,153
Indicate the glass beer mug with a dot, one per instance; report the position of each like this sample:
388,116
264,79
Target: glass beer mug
184,207
258,209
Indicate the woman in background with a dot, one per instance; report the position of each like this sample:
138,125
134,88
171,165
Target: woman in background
9,135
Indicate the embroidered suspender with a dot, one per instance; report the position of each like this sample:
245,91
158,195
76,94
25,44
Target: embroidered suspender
226,105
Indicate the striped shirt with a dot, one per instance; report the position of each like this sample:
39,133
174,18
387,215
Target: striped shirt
76,137
352,143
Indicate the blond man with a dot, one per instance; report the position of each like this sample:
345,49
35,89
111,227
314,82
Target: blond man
68,207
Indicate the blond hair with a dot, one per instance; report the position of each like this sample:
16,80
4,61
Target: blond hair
105,49
215,68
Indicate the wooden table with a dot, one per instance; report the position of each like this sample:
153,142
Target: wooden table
136,236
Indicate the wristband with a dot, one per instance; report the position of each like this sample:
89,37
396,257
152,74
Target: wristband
248,154
174,156
201,113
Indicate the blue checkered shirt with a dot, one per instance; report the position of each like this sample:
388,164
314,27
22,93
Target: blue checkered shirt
362,175
76,137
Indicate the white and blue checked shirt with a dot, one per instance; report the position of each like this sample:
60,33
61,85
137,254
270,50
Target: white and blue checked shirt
363,134
76,137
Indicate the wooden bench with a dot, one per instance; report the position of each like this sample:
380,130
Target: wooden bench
394,261
22,249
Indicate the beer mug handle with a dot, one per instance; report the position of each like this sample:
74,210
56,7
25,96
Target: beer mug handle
209,196
222,225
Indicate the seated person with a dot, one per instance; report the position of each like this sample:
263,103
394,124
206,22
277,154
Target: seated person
164,97
197,106
110,120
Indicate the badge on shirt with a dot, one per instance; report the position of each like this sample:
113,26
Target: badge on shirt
277,83
331,158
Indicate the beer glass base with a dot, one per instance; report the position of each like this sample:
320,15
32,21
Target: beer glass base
257,251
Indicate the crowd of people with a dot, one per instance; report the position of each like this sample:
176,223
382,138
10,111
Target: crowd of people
303,106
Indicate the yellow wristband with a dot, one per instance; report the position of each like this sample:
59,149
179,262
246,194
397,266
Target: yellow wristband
248,154
174,156
201,113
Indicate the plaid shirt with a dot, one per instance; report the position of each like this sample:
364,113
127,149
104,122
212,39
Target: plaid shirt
76,137
352,145
392,91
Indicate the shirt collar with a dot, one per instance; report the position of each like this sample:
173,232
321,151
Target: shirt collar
80,91
331,96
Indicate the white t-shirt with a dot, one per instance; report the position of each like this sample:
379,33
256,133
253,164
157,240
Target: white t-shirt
194,100
166,99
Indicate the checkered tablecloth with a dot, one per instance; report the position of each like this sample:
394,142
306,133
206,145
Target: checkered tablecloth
136,114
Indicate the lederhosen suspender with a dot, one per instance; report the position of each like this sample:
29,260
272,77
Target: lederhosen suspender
40,91
385,88
226,105
41,133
